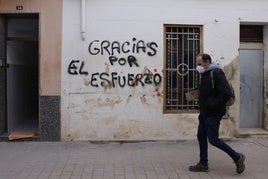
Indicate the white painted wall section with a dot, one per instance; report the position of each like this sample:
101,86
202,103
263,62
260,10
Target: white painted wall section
136,113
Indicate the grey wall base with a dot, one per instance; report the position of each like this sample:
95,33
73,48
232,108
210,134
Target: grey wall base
50,129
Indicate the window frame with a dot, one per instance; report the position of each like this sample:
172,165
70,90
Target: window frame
165,26
251,33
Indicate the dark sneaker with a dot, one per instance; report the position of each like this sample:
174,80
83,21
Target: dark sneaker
199,168
240,165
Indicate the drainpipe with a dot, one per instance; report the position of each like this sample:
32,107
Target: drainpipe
83,19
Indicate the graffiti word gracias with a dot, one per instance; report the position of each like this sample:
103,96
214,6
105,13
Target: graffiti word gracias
97,47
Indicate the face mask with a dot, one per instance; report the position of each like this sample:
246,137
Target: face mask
200,69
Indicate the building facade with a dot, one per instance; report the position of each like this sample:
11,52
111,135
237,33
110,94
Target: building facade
119,70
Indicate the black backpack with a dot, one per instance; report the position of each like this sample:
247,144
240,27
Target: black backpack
231,100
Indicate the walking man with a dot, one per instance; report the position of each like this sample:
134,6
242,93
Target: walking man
214,92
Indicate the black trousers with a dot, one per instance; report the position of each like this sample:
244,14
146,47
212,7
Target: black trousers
208,130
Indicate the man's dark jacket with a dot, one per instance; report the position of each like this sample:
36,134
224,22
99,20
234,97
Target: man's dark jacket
212,100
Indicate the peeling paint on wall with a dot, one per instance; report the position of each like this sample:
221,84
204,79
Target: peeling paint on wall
128,98
231,71
143,99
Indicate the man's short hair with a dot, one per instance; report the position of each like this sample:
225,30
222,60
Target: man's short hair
205,57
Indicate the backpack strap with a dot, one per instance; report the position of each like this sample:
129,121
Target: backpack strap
211,76
212,79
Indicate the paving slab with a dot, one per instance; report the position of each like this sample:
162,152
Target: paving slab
142,160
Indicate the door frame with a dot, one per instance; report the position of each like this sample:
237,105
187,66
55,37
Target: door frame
255,46
4,122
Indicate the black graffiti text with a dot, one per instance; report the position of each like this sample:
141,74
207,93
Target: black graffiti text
103,79
140,79
131,60
74,66
97,47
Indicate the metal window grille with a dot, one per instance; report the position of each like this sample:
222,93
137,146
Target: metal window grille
182,46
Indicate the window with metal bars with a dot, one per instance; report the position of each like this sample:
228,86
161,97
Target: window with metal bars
182,44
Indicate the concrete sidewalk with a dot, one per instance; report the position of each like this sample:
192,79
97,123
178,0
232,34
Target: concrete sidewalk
154,160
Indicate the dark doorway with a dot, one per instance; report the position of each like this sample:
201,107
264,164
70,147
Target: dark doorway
21,68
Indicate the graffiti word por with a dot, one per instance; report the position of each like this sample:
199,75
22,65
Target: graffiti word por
97,47
122,61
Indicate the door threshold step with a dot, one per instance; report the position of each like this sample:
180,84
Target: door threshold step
5,137
253,132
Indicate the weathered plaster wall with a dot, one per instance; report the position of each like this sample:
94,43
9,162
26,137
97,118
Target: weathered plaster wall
265,48
50,19
91,112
